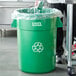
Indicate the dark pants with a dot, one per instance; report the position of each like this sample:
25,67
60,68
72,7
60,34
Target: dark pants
63,8
60,49
74,21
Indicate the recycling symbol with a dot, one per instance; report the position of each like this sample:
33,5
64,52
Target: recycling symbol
38,47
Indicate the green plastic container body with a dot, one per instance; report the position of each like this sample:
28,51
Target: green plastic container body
37,45
37,41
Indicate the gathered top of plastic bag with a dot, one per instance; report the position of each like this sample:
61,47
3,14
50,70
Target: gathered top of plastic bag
34,13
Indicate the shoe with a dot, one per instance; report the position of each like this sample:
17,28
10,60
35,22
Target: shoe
61,60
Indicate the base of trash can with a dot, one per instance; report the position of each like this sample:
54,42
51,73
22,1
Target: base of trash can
35,72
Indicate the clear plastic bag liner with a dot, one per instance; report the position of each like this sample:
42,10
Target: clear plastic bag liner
35,14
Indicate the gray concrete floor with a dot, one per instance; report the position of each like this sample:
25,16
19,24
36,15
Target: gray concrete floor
9,60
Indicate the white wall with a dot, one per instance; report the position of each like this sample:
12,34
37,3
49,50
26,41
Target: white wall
28,0
8,0
17,0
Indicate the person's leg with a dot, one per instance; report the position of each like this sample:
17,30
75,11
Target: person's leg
74,21
59,50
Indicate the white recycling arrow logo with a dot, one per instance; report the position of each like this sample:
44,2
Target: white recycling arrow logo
38,47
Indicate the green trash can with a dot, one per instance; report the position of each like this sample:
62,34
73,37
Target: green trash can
36,33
